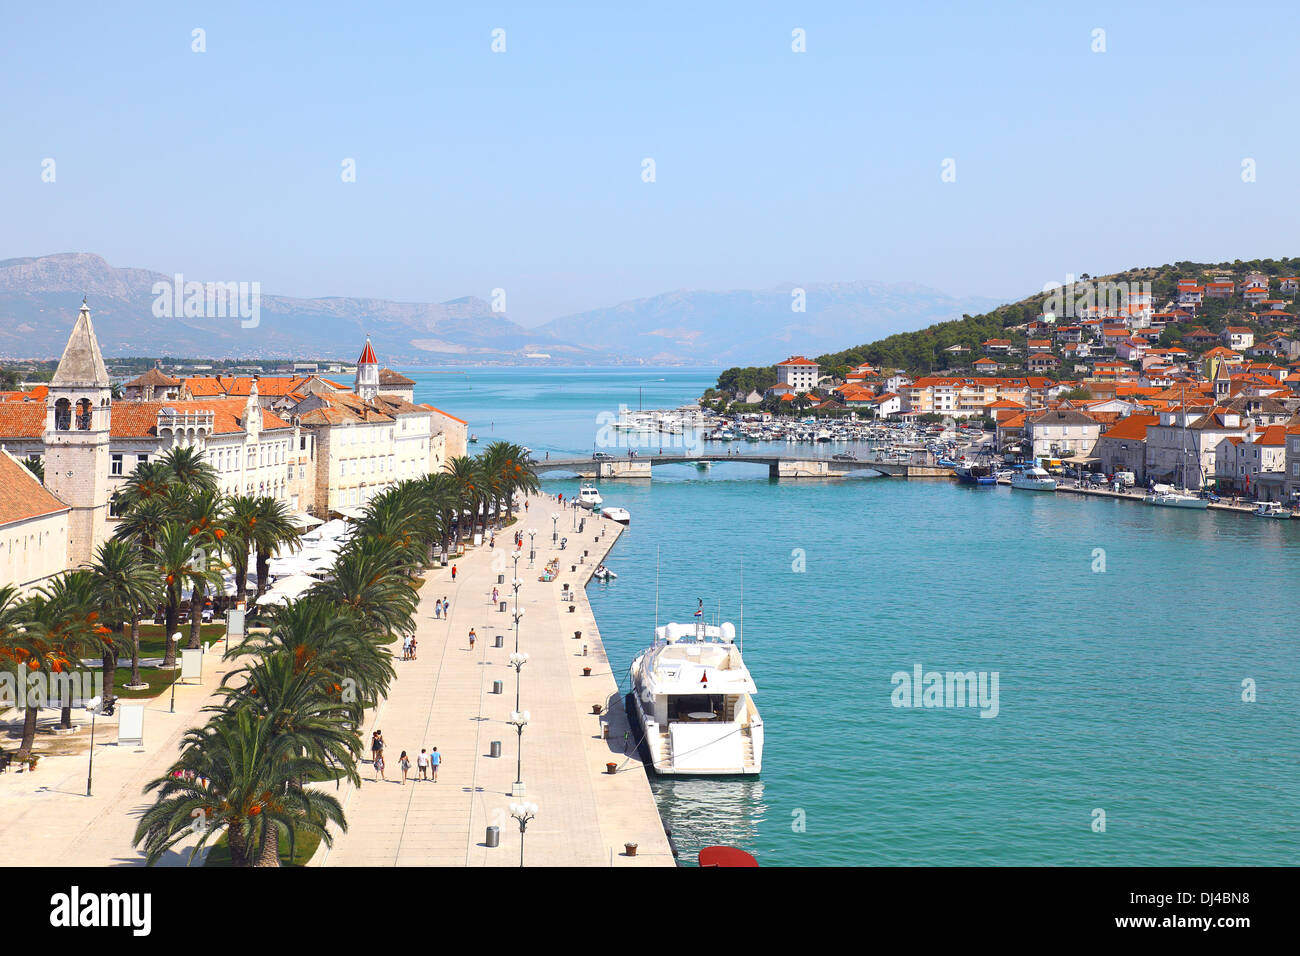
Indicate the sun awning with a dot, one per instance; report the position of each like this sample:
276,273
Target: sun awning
1081,460
356,514
302,520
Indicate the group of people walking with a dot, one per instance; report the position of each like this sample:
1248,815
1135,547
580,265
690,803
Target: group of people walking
426,762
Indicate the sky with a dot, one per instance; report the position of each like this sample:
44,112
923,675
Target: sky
524,170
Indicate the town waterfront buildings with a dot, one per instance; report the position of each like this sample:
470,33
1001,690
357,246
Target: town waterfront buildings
314,444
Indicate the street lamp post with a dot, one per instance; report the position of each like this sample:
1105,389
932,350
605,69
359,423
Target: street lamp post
524,813
519,719
519,616
517,660
96,706
532,545
555,533
176,638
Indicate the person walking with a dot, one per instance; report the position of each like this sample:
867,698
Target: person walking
414,646
437,609
472,638
422,764
494,595
453,574
435,759
446,608
376,745
379,767
405,763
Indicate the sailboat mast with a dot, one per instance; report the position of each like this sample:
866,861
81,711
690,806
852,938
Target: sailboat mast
656,587
742,607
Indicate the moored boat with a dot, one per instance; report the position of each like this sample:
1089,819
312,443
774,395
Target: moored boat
1271,509
1033,479
692,700
617,514
589,497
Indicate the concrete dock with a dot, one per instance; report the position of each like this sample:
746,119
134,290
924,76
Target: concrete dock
444,698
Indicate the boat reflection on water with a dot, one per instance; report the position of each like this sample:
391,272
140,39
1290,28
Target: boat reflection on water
701,812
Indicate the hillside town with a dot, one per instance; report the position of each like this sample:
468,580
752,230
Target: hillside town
1096,389
320,447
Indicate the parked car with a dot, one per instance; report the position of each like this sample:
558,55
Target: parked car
1209,495
602,456
1126,478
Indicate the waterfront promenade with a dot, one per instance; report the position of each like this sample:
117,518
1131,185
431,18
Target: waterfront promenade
445,699
46,819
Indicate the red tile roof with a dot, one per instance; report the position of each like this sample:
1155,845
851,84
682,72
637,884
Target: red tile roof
22,496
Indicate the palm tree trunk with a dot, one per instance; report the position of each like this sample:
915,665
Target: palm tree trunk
196,615
270,855
110,669
238,846
241,579
171,617
29,733
135,650
263,571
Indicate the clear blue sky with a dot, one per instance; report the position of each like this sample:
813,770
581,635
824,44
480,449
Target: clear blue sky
522,170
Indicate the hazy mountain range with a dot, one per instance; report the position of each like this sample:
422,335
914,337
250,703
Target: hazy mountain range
39,298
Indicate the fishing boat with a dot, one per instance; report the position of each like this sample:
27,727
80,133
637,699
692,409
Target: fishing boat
473,439
589,497
692,700
969,473
1033,478
604,574
1271,509
617,514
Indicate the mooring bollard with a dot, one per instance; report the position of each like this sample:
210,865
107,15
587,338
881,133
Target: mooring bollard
497,687
501,579
584,650
493,836
577,634
494,749
611,768
499,641
503,606
586,672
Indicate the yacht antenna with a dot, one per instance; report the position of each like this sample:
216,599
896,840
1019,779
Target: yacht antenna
656,587
742,606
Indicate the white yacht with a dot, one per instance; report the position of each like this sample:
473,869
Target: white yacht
692,701
1176,499
1033,479
1271,509
588,496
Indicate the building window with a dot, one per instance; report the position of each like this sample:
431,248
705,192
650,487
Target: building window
115,464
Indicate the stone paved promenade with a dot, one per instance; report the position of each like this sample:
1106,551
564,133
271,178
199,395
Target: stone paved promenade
444,699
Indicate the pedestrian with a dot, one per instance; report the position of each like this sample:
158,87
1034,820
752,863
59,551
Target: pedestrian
437,609
376,745
548,455
435,759
405,763
379,768
414,644
472,638
446,608
422,764
494,595
406,648
453,574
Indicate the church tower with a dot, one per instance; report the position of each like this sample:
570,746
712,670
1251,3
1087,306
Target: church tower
367,381
77,415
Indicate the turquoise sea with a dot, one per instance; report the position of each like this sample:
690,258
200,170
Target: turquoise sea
1120,690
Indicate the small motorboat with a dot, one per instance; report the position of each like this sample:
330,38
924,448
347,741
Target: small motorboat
589,497
1271,509
712,856
617,514
473,439
604,574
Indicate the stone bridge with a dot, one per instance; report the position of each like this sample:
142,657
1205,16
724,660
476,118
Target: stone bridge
778,466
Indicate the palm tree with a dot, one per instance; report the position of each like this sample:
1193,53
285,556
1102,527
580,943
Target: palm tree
21,650
189,470
142,521
148,481
274,530
65,613
175,557
323,639
241,524
305,705
368,581
125,585
441,503
469,485
236,774
206,513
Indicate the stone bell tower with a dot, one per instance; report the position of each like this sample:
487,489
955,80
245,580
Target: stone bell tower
367,381
77,414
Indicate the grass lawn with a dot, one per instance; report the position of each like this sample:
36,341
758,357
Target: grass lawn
153,639
304,850
158,681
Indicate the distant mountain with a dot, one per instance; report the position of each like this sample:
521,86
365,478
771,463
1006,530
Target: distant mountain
759,327
39,298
